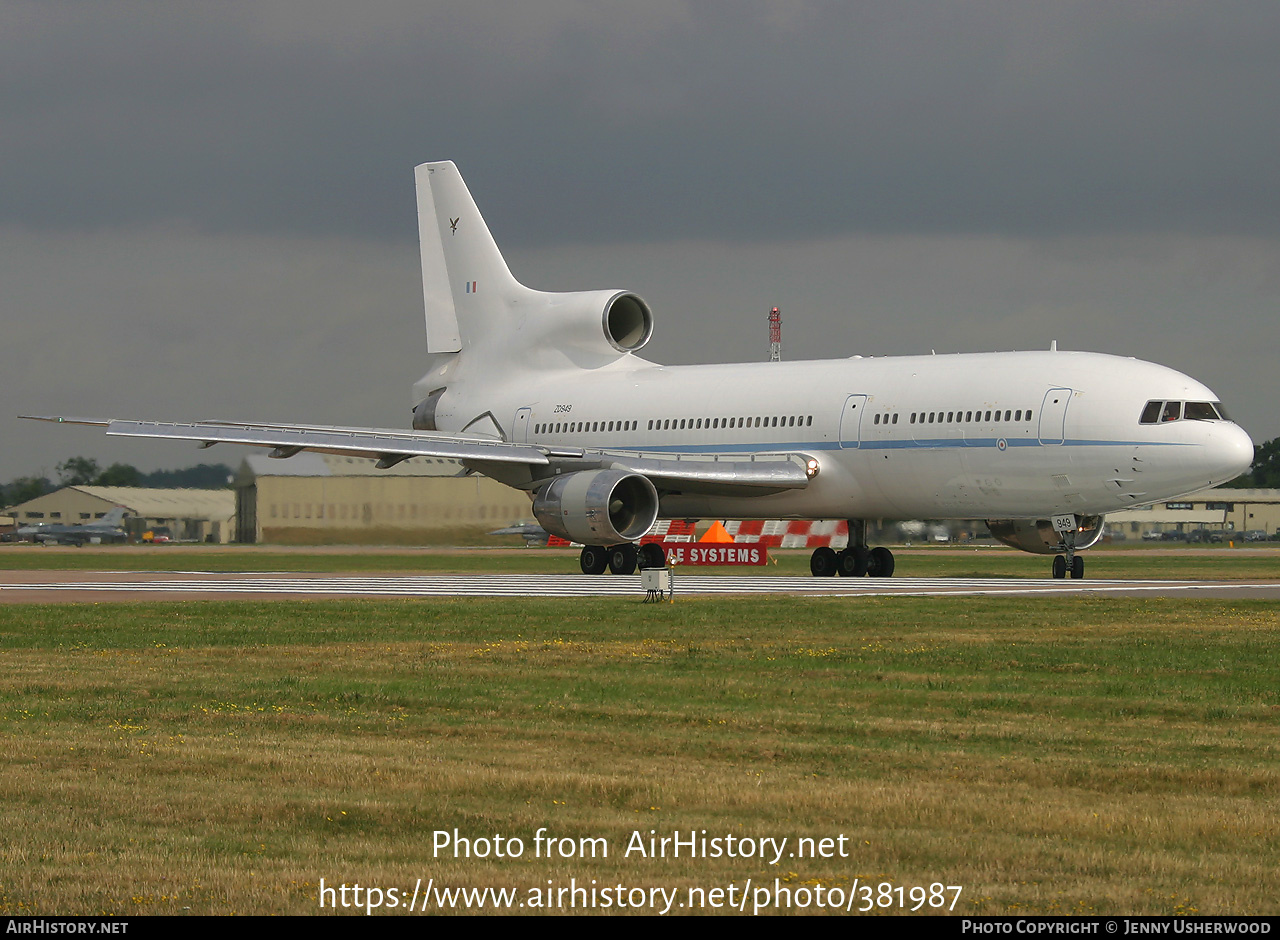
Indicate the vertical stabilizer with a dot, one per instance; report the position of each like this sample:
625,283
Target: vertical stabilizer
466,284
115,516
442,317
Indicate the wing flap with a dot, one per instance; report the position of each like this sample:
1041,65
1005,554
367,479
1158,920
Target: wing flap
287,440
371,442
725,474
708,474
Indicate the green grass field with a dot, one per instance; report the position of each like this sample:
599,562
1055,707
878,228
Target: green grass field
1072,755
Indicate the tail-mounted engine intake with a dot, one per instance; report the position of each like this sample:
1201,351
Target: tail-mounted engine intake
1039,537
627,321
598,321
597,507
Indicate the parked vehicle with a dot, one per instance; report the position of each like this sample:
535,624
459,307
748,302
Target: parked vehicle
1205,535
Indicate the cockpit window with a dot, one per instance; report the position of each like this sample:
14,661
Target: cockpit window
1159,412
1200,411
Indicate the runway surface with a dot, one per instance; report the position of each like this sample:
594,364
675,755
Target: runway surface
51,586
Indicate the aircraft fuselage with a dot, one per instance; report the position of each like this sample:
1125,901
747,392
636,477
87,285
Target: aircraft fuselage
951,436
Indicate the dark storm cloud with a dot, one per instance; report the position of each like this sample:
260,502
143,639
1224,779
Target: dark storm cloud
206,210
629,122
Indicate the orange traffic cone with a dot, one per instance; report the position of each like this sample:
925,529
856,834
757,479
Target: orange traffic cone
717,533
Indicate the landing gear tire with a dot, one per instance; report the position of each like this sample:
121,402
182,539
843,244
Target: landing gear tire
852,562
880,564
1077,568
651,556
1060,566
823,562
622,559
594,559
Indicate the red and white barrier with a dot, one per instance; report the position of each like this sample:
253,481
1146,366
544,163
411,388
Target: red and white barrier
664,530
794,533
774,533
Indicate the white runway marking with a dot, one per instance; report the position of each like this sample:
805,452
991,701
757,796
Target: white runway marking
496,585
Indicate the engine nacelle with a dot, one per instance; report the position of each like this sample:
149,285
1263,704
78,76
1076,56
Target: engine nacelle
1039,537
597,507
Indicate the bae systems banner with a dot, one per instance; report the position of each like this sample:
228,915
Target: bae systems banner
711,553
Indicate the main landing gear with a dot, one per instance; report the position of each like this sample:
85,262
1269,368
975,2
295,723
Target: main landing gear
855,560
620,559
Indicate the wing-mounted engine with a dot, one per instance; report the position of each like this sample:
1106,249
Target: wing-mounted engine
1039,537
597,507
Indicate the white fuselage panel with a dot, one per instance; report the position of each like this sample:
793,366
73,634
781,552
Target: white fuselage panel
954,436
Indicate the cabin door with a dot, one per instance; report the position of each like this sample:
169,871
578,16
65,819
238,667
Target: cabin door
1053,416
851,421
520,430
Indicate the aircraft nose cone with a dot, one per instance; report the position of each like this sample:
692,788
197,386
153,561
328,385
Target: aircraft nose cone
1232,452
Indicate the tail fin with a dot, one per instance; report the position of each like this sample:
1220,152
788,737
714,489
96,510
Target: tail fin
466,284
115,516
473,303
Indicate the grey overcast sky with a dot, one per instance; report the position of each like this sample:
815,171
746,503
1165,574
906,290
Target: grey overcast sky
207,210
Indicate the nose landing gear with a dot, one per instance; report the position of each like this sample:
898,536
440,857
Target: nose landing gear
1068,561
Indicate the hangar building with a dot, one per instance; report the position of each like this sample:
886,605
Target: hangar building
1232,512
322,497
187,514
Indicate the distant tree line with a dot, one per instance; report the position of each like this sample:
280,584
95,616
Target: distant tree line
85,471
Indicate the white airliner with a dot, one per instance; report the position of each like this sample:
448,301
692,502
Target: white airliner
545,392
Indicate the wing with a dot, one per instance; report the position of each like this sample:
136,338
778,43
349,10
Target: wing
525,466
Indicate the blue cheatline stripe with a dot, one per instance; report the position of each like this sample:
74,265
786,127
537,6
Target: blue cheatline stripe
929,444
945,442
